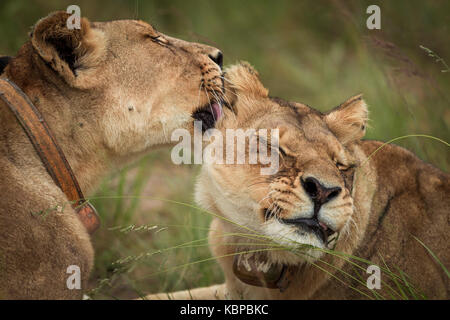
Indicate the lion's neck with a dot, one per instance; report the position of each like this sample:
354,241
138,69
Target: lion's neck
73,127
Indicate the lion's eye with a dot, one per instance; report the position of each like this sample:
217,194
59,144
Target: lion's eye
283,153
342,167
159,39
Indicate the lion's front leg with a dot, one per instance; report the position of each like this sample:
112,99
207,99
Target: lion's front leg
215,292
43,256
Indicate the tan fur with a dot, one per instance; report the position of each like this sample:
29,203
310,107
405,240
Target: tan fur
395,196
110,92
350,124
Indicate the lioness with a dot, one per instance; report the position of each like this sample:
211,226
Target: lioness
110,92
332,191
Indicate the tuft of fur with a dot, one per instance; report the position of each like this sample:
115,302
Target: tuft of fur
244,78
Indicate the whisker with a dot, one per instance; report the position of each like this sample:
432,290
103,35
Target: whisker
256,183
199,91
232,84
268,195
271,209
210,106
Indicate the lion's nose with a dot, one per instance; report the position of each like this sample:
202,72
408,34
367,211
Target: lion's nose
318,192
217,57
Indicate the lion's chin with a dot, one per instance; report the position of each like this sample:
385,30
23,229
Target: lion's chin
298,247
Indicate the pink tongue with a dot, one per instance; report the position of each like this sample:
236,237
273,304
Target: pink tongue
217,110
324,227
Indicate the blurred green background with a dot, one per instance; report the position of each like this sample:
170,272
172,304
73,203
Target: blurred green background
315,52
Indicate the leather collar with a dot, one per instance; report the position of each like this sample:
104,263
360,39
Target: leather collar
49,151
253,271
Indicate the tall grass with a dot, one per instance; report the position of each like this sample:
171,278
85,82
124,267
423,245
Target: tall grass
398,283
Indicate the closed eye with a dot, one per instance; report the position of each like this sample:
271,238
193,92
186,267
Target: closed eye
283,153
343,167
159,39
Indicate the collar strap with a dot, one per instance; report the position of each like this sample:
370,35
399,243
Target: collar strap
49,151
253,271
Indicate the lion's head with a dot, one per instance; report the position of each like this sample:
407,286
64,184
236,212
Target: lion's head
111,91
309,200
124,79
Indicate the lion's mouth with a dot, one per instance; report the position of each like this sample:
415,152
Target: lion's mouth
321,230
209,114
212,111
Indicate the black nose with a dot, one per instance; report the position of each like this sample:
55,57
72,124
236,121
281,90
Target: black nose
217,57
318,192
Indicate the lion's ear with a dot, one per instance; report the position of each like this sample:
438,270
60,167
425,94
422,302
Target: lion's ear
348,121
72,53
4,62
243,78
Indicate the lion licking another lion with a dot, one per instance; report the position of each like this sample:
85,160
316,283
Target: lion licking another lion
111,92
